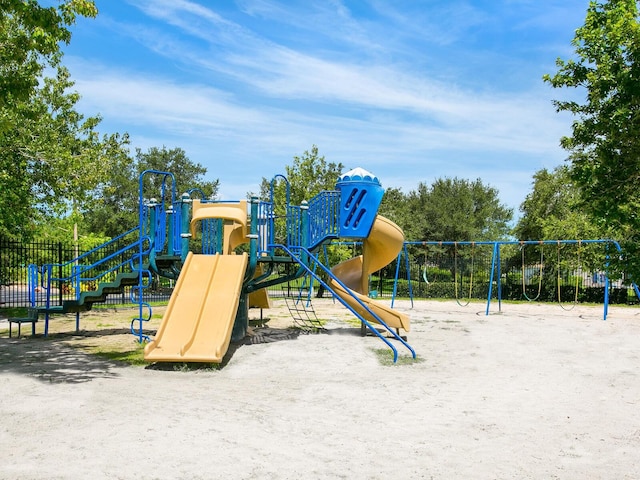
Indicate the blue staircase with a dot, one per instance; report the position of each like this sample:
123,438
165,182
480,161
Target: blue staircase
76,285
129,260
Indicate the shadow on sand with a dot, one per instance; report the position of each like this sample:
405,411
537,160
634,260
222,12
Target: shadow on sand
53,360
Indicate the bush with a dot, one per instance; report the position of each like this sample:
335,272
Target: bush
439,274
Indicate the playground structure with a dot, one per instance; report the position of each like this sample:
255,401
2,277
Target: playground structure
224,255
237,252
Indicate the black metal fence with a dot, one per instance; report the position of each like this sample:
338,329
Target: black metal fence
551,273
15,258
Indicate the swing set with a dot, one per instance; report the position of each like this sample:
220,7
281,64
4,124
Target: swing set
566,275
577,267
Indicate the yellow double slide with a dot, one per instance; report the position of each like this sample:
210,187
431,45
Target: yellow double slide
199,319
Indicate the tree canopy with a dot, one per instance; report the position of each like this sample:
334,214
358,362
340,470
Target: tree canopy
552,210
451,209
604,147
308,175
116,201
51,155
30,37
57,171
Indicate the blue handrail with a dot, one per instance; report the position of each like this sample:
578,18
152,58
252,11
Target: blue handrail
324,213
155,237
78,269
312,272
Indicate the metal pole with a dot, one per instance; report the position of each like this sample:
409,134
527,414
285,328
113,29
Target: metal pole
493,266
406,260
497,249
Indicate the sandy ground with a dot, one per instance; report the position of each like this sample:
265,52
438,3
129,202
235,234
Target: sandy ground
533,392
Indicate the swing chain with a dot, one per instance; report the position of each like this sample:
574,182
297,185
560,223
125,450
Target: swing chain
541,266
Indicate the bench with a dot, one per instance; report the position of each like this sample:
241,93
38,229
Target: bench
32,318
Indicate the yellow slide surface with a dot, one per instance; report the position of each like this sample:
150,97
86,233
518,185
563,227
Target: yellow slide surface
199,319
379,249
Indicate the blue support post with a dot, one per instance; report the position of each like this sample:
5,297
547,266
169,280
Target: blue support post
304,239
170,233
184,227
406,259
153,219
32,283
493,267
497,250
606,296
395,284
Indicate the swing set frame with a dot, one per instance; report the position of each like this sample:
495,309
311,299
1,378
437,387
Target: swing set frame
496,268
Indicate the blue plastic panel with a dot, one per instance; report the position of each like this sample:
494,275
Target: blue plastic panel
359,203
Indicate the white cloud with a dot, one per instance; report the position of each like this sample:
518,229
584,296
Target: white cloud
243,102
201,114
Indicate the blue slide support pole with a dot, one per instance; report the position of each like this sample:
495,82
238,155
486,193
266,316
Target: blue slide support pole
606,296
185,203
169,214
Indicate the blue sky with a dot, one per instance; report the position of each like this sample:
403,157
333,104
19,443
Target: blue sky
410,90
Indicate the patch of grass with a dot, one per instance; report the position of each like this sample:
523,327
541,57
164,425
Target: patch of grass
133,357
353,322
385,357
190,367
13,312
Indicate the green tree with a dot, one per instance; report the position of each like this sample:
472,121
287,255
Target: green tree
394,207
552,210
116,206
50,155
308,175
30,37
453,209
51,159
604,146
